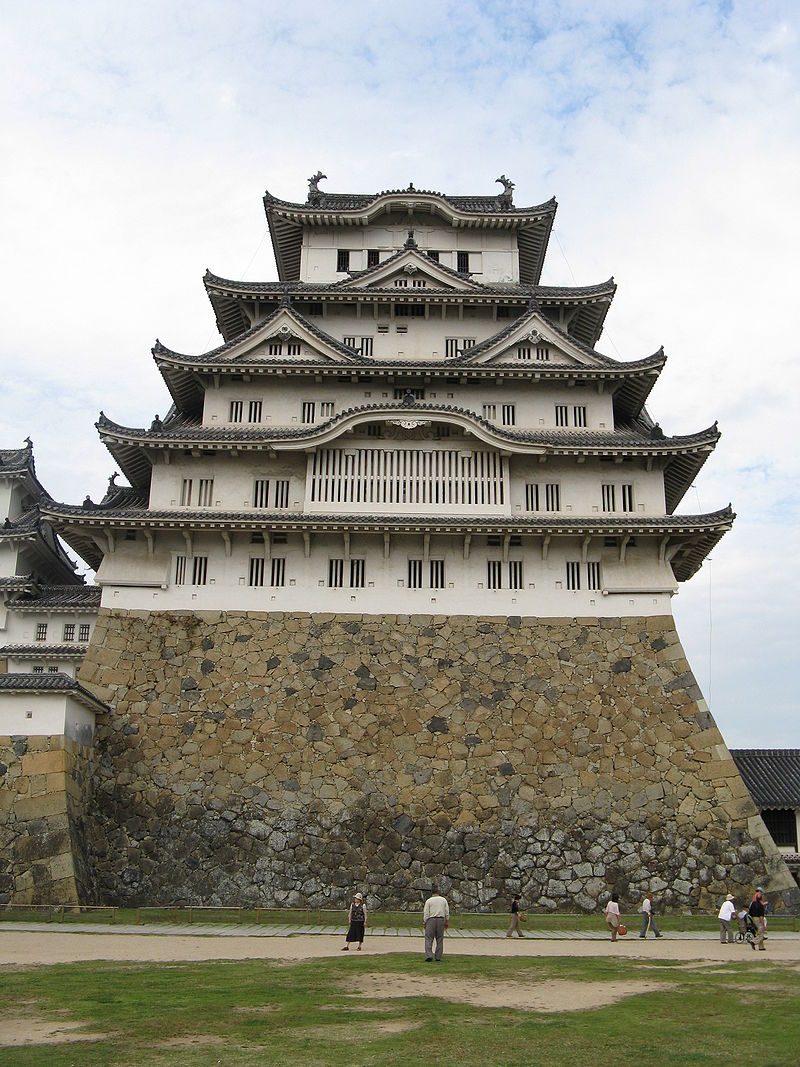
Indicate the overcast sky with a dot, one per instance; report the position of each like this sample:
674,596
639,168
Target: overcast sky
138,139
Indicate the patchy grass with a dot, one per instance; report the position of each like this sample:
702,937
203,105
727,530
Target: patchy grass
322,1012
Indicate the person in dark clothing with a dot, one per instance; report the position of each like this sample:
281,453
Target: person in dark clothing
516,918
357,918
757,912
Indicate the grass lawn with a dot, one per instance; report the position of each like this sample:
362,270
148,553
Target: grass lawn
266,1013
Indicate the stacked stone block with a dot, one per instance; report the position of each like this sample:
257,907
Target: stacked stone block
45,786
280,759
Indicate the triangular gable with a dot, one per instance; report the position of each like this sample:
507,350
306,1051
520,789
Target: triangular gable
534,340
286,337
406,267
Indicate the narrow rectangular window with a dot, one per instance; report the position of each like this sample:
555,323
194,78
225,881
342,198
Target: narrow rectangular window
69,631
254,411
437,573
419,283
326,409
509,414
335,573
357,573
186,492
579,415
199,570
293,349
205,493
561,415
235,414
494,574
275,348
573,575
434,256
609,497
401,311
415,574
38,670
373,257
593,575
282,493
515,574
366,347
350,341
83,631
342,260
627,497
180,570
542,354
52,670
41,631
552,497
309,409
532,496
523,352
451,349
462,262
401,283
261,493
490,411
400,393
277,572
256,576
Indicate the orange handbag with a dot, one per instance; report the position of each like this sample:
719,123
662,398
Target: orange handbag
622,929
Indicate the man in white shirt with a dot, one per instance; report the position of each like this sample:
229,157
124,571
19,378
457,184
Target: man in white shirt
435,920
726,913
648,919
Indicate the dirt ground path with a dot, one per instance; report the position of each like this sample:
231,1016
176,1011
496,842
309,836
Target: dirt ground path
31,948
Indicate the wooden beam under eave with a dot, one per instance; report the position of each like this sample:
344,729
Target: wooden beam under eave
545,546
623,547
585,547
150,537
467,542
226,540
387,538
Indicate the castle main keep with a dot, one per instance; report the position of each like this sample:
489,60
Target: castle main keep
387,597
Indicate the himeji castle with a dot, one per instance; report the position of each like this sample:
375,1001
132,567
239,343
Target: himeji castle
387,595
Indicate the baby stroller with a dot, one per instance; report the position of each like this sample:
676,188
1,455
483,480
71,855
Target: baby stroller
747,929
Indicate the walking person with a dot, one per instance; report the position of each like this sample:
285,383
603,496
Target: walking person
357,919
516,918
726,913
648,919
612,915
757,912
435,920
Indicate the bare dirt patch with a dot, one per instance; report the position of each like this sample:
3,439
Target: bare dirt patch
551,996
19,1030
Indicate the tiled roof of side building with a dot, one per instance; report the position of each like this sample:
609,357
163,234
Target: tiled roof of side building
50,682
772,775
69,650
49,597
17,460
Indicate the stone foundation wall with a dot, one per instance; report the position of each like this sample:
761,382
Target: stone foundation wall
287,758
45,789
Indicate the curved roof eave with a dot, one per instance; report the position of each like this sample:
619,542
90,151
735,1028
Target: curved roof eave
565,442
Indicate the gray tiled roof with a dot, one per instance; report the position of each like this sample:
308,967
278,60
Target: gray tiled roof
772,775
24,525
41,650
49,683
472,205
624,437
54,597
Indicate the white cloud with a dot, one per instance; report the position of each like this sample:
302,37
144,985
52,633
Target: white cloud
137,141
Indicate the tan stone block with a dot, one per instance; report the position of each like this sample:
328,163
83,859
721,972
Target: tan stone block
44,762
41,806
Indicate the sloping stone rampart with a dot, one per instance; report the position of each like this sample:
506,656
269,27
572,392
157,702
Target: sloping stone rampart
45,786
285,758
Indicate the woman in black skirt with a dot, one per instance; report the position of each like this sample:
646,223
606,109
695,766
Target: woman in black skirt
357,917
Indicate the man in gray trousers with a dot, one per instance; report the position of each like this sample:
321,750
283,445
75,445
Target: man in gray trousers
435,920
